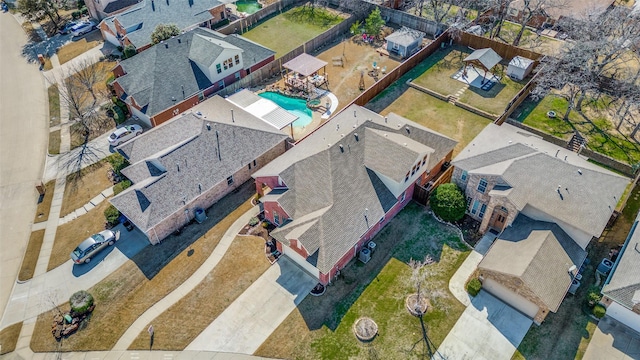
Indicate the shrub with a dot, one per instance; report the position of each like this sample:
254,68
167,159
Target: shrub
593,295
76,14
121,186
111,214
129,51
253,221
80,302
84,10
118,162
447,201
474,286
164,32
599,311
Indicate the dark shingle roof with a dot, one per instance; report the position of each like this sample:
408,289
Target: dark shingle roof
166,73
335,192
623,285
119,5
540,254
174,163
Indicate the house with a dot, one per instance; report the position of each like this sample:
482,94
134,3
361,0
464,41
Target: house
191,162
519,67
621,291
171,77
550,14
133,26
545,202
336,188
506,171
100,9
531,266
404,42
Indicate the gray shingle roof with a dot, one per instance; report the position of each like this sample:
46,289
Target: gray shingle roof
330,187
540,254
623,283
534,168
119,5
405,36
150,13
487,57
174,163
165,74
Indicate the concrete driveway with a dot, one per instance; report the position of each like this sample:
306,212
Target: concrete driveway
255,314
613,341
40,293
487,330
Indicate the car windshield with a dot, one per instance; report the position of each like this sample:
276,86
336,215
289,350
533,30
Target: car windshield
113,136
98,237
77,252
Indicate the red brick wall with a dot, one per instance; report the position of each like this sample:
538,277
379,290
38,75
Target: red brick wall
117,72
271,181
270,207
169,113
118,88
119,29
262,63
297,247
216,13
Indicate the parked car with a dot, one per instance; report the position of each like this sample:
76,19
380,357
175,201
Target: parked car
83,27
124,133
67,27
92,245
5,7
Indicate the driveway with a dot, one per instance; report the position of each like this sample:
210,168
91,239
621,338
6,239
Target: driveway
487,330
41,293
255,314
613,341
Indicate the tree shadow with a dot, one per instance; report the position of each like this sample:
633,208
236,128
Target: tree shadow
152,259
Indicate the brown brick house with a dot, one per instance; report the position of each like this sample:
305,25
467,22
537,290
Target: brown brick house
190,163
335,189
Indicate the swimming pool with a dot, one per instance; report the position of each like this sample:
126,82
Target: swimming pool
295,106
248,6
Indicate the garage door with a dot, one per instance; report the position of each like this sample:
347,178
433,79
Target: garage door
302,262
514,300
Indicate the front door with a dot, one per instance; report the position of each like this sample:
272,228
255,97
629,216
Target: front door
499,218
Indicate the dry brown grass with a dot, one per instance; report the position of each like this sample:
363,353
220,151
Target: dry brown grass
79,47
9,338
153,273
54,103
72,233
54,142
78,193
44,206
242,264
30,259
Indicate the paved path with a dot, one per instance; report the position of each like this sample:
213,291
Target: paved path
255,314
23,143
487,330
613,340
456,284
87,207
188,285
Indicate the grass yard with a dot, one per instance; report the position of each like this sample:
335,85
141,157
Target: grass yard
9,338
154,272
78,192
530,40
80,46
44,204
323,325
28,266
495,100
54,142
595,126
439,116
54,105
240,267
285,32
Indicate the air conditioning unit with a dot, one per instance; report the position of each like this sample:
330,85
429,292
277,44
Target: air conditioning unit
365,255
371,246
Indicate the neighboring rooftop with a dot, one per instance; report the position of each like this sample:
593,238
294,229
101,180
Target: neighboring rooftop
119,5
337,178
405,36
623,284
263,108
544,176
540,254
167,73
576,9
176,162
141,20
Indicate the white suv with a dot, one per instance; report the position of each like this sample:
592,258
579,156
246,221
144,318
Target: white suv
83,27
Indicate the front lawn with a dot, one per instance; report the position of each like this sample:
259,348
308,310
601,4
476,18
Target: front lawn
79,47
595,126
78,192
285,32
323,325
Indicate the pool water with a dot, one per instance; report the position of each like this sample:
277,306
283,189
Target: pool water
295,106
248,6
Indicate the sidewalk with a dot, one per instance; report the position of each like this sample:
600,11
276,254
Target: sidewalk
470,264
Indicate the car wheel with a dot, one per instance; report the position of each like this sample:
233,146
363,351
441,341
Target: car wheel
111,242
138,133
87,260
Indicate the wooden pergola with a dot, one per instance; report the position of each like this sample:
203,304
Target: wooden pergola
485,59
304,73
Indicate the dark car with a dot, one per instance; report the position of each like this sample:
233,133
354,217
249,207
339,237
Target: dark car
67,28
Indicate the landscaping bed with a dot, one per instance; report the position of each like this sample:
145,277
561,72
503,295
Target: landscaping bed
323,325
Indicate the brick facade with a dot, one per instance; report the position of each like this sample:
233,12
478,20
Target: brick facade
517,286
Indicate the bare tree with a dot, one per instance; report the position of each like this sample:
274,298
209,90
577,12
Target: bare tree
497,13
531,9
418,305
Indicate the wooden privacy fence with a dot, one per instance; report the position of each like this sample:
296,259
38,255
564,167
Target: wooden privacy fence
507,51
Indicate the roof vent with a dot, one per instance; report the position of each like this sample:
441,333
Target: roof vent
329,145
355,113
173,98
166,45
385,119
405,144
178,167
408,130
199,114
200,188
337,127
179,41
341,135
208,126
355,135
341,148
233,119
579,171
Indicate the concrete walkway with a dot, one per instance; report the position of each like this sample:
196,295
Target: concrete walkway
470,264
87,207
613,340
143,321
255,314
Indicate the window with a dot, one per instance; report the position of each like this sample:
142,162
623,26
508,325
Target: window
218,68
254,163
276,218
228,63
482,186
468,201
200,96
424,160
249,166
463,177
237,59
404,197
396,46
406,178
381,220
237,74
483,208
474,209
230,180
221,84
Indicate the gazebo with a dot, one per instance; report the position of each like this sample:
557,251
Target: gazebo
305,75
485,59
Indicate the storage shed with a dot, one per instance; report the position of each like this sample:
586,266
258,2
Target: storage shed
519,67
404,42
